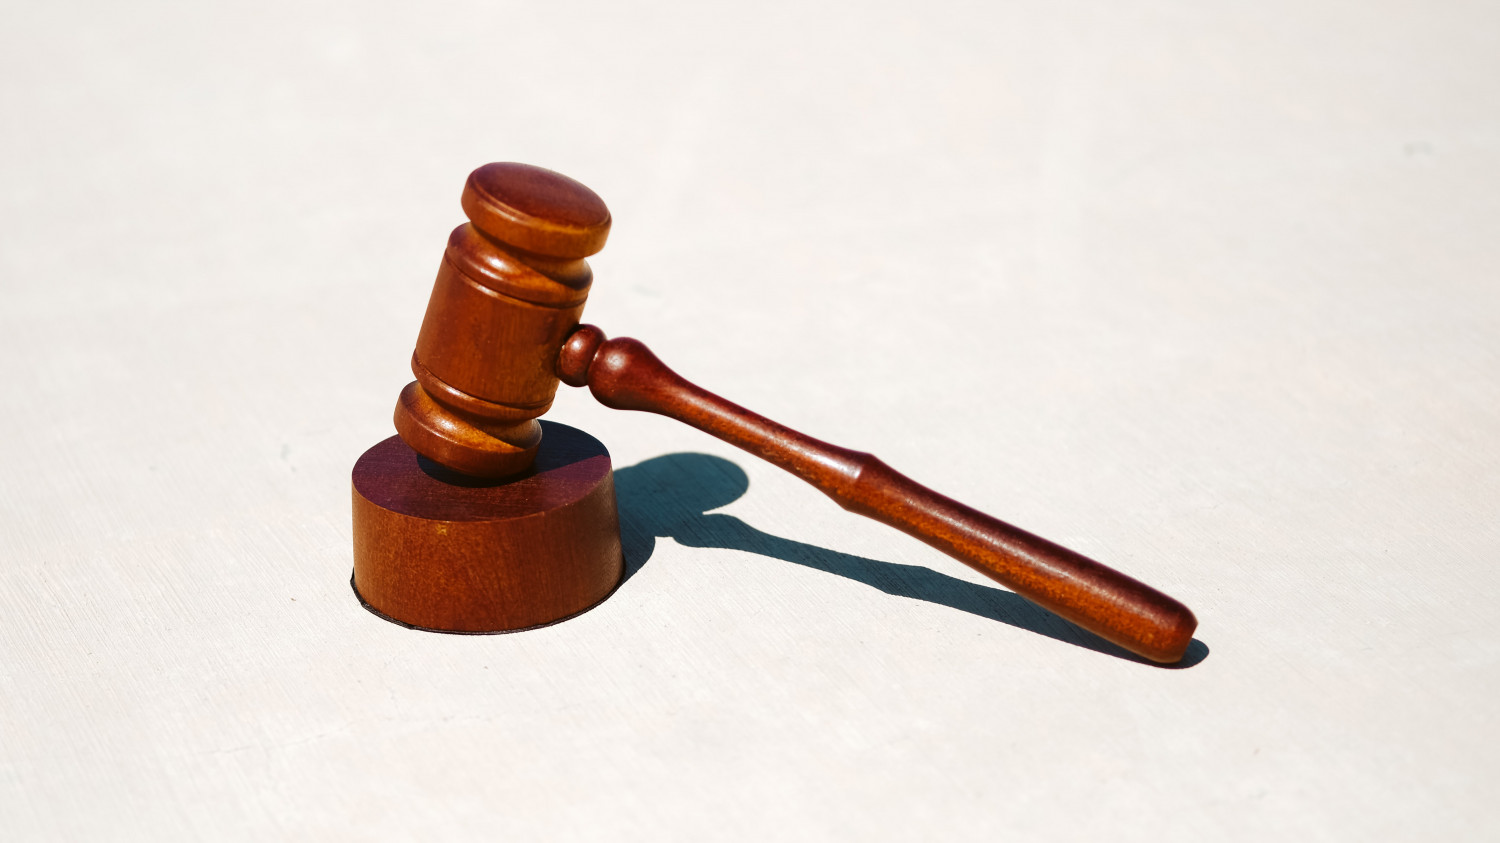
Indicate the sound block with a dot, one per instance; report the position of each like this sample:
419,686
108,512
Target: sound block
442,551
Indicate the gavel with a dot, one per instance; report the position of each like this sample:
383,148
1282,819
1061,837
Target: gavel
502,330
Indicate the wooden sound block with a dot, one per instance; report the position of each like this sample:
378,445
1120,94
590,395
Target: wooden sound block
442,551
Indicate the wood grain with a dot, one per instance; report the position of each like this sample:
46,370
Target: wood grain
511,286
500,332
624,374
444,551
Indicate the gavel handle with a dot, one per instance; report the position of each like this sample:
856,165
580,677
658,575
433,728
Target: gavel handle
624,374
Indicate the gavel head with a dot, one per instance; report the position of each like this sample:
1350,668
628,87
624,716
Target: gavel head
511,288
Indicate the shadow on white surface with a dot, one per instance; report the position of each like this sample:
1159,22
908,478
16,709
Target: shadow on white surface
670,497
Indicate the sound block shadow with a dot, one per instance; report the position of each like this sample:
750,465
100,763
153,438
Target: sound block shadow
670,497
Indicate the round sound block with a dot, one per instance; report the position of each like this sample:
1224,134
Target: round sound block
442,551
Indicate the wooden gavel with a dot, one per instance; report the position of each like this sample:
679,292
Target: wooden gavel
502,328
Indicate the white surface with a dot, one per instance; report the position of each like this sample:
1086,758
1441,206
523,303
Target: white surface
1206,292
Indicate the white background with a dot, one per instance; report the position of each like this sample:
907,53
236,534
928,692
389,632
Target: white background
1205,291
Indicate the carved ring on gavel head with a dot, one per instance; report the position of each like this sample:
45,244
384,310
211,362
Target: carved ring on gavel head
506,528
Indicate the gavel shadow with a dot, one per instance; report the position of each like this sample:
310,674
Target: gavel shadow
670,497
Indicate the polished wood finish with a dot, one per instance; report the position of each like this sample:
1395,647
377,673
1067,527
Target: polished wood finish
511,286
501,331
625,375
444,551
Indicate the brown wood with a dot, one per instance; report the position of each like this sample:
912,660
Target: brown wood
442,551
501,331
511,286
624,374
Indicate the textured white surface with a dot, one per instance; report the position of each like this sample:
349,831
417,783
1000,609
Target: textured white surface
1211,293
